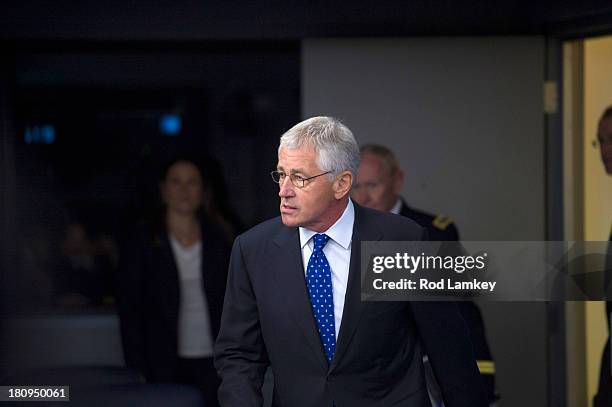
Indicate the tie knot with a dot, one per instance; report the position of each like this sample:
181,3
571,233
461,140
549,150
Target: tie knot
320,240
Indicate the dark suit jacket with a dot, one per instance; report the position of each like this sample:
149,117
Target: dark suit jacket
267,320
149,297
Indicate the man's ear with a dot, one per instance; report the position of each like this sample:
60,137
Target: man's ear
398,182
342,184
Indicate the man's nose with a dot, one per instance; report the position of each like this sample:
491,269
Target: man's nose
286,188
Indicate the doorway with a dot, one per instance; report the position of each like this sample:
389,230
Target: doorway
587,90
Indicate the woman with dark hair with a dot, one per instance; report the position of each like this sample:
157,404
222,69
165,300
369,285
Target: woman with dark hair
171,286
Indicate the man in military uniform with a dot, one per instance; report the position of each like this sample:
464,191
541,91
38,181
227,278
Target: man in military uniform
378,185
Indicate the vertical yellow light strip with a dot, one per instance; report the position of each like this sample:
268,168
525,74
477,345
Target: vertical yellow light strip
573,202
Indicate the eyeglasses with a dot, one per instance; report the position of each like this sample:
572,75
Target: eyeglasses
296,180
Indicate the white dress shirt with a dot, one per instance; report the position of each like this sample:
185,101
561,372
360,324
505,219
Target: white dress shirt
397,207
338,254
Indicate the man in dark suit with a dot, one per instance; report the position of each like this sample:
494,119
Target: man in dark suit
378,185
604,137
294,287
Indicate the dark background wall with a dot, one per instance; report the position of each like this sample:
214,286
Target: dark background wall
241,19
105,104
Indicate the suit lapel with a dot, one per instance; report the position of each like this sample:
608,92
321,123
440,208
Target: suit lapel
208,264
168,279
290,275
353,307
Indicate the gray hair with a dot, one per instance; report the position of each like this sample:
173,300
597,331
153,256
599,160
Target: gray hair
333,142
384,153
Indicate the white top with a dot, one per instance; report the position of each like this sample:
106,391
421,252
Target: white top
397,207
194,334
338,253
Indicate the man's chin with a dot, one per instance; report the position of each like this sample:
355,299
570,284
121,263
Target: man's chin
289,221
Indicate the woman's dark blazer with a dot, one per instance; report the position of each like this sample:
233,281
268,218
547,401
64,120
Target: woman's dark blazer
149,296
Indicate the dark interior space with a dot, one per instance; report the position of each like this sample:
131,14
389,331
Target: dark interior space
94,125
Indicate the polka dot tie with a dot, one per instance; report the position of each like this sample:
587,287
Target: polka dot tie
319,282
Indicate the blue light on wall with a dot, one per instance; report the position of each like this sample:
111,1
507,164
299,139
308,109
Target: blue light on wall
44,134
170,124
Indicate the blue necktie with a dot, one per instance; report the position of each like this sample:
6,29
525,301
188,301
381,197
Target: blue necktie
319,282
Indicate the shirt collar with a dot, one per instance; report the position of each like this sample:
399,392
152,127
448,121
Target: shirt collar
340,232
397,207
